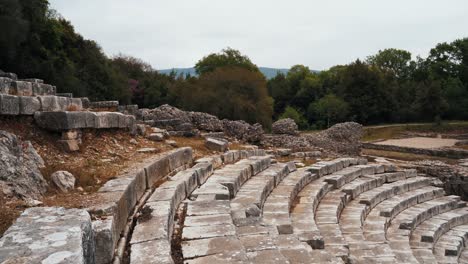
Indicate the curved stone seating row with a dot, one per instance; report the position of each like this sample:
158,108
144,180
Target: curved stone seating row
118,198
208,227
60,121
247,206
329,210
354,217
450,245
399,232
25,87
424,236
380,217
28,105
151,238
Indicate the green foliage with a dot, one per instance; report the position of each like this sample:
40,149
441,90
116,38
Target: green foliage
389,86
330,108
227,92
297,116
227,57
397,62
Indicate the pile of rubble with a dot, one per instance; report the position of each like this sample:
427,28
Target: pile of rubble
340,138
285,126
453,177
183,123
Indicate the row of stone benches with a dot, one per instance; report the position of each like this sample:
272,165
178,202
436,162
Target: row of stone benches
28,105
25,87
151,239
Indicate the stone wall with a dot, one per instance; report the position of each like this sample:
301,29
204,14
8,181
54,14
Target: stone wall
25,87
28,105
445,153
60,121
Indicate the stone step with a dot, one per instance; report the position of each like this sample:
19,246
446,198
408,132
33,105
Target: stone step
428,233
451,244
278,204
302,214
380,217
354,216
373,197
248,204
151,238
226,182
398,233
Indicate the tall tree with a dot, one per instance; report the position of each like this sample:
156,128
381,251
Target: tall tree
227,57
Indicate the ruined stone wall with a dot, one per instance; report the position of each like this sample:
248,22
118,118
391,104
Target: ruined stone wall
445,153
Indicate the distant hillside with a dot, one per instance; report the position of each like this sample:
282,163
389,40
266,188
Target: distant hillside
268,72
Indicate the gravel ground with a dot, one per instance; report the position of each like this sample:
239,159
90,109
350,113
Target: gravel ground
420,142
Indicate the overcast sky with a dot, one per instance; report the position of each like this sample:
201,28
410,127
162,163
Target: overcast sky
273,33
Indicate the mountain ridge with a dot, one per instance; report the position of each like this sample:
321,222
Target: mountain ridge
267,71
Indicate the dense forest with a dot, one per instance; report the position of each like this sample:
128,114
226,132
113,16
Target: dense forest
390,86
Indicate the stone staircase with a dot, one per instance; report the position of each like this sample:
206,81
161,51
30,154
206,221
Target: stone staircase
252,209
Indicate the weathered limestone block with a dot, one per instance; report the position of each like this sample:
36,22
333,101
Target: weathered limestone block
32,80
21,88
8,75
58,121
104,105
107,120
152,252
216,144
49,235
5,85
155,223
105,240
29,105
9,105
50,103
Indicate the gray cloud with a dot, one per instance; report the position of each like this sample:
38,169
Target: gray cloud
272,33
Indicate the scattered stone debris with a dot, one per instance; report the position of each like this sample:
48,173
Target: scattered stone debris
147,150
64,180
172,143
216,144
20,175
285,126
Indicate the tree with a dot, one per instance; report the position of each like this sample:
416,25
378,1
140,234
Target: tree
329,108
298,117
228,92
397,61
226,58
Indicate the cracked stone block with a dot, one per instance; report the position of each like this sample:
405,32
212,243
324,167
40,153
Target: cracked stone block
105,240
49,235
156,222
216,144
5,85
29,105
151,252
9,105
58,121
21,88
210,246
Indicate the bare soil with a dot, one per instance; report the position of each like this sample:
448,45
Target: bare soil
420,142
